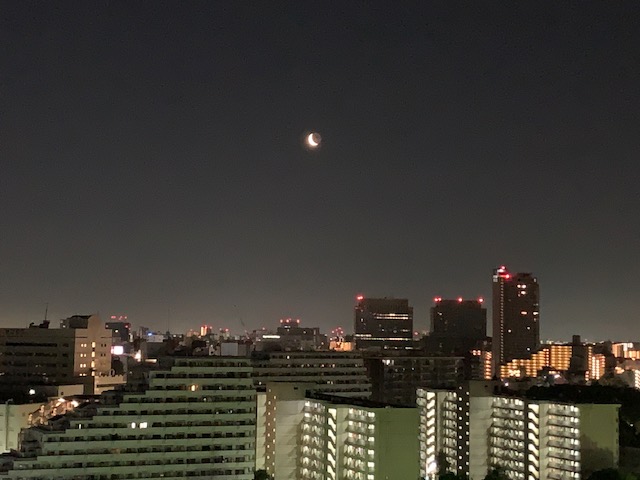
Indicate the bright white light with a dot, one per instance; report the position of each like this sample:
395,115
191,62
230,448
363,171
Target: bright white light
312,140
117,350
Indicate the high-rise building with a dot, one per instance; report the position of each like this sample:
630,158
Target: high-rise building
383,323
473,428
357,440
516,322
306,435
458,326
196,420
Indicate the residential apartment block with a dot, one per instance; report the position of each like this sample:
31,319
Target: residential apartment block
195,420
317,436
472,429
339,373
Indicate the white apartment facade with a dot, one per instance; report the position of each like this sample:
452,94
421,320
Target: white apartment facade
195,420
358,441
472,429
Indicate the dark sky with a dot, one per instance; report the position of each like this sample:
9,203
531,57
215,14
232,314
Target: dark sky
151,163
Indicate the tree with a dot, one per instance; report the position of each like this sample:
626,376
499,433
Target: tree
611,474
496,473
452,476
261,475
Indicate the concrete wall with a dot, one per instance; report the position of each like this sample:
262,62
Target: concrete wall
397,449
14,418
599,437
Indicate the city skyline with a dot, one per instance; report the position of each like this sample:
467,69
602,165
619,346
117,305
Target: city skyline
153,160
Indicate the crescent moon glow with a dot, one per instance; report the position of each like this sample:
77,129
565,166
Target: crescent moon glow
312,143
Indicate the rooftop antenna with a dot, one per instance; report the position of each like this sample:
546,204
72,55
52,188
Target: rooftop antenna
246,332
46,311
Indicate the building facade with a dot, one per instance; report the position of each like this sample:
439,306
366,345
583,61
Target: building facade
395,378
472,429
43,355
339,373
516,316
383,323
357,441
458,326
195,420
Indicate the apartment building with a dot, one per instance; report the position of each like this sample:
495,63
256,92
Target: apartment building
357,440
308,435
195,420
338,373
472,429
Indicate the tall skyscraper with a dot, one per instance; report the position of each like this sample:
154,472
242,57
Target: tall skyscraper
458,326
383,323
516,322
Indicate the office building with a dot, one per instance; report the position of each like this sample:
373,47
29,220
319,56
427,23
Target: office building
43,355
383,323
120,329
516,322
473,429
290,336
458,326
195,420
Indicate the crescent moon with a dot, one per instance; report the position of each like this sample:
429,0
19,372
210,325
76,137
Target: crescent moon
311,141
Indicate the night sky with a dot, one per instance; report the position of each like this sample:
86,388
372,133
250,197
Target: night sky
151,160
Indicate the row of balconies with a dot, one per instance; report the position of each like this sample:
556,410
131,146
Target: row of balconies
218,408
175,475
158,420
144,470
113,441
201,401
